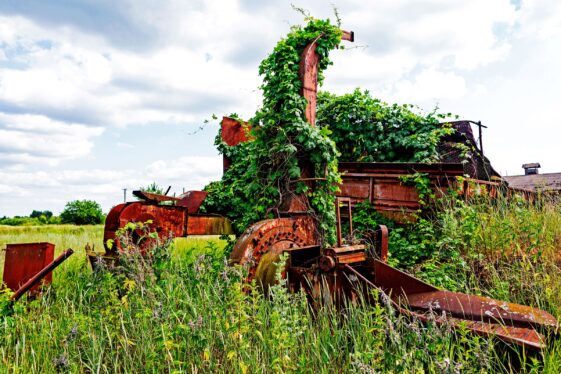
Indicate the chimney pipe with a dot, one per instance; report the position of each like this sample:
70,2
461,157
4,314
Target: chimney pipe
531,168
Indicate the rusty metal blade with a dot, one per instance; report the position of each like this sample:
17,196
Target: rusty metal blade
422,296
480,308
512,323
523,336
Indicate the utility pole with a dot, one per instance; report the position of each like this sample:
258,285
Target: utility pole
124,195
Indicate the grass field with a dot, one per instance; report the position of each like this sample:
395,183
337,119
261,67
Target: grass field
189,313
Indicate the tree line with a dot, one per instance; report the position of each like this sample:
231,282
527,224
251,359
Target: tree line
77,212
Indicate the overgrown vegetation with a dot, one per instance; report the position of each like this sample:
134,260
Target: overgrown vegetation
78,212
368,130
36,217
352,127
269,169
153,188
191,313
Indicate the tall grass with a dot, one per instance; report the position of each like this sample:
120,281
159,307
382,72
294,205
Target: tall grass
191,313
197,317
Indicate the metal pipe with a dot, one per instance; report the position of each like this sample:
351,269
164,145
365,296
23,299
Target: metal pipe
41,274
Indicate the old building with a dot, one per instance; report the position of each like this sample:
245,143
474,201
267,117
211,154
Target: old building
533,180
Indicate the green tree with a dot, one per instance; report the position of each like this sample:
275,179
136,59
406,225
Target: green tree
82,212
38,213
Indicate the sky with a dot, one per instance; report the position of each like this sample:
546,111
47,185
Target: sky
97,96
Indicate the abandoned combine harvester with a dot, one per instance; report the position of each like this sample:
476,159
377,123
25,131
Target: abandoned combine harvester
345,270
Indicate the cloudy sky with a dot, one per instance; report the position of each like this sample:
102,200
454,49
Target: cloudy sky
97,96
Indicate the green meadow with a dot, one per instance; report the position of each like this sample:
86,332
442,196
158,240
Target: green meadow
187,310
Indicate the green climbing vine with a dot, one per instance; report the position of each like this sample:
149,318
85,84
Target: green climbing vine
369,130
351,127
269,168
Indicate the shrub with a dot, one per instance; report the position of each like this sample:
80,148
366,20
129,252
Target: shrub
82,212
153,188
38,213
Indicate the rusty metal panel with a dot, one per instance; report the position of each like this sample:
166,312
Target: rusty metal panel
393,193
23,261
356,188
208,225
234,132
35,280
153,197
166,221
309,61
479,308
381,184
192,200
309,77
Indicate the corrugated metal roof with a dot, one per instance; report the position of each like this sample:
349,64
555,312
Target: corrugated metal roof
550,181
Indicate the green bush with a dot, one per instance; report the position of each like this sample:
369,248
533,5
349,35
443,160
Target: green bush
369,130
82,212
38,213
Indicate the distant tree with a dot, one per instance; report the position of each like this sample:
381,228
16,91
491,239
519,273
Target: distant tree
38,213
82,212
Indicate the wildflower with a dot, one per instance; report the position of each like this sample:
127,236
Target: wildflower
72,334
390,332
61,363
363,368
444,365
156,311
458,368
195,325
199,263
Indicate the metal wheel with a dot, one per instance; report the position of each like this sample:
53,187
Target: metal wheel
260,246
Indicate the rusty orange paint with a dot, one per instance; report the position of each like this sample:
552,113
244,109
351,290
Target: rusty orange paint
166,220
23,261
208,225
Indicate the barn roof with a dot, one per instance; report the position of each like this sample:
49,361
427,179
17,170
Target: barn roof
549,181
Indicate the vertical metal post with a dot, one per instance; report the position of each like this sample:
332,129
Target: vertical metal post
124,195
338,221
480,136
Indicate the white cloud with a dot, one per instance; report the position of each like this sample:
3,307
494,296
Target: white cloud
28,138
51,190
429,85
62,83
540,18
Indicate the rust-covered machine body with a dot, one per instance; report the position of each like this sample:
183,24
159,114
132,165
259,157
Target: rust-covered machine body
353,270
350,270
169,216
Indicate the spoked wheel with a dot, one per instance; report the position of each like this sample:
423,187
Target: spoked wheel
260,246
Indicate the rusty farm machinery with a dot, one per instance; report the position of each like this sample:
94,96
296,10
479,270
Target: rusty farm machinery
346,270
350,269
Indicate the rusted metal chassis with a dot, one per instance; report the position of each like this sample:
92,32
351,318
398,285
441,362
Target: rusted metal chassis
349,271
167,220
